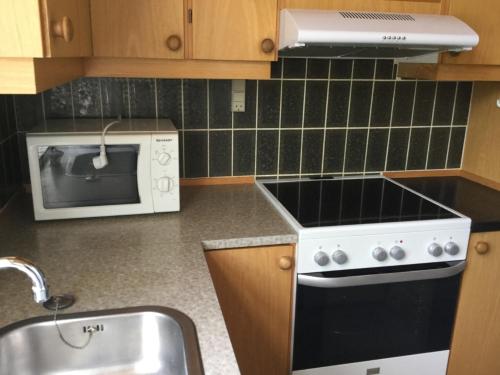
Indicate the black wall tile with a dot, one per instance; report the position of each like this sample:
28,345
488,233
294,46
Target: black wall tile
377,147
29,111
424,102
58,102
276,68
142,98
334,150
292,104
338,104
314,114
247,119
360,104
419,143
220,104
456,147
267,152
382,104
195,104
290,145
398,146
384,69
355,151
312,151
363,69
269,104
170,100
318,68
220,153
195,154
445,96
244,153
115,97
464,92
341,69
87,98
294,68
4,126
438,148
403,103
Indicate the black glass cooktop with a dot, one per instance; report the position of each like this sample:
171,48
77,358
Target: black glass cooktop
318,203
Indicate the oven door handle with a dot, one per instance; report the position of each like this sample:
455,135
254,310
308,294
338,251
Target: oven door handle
382,278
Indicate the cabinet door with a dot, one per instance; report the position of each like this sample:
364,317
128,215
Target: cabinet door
138,28
410,6
483,18
234,30
476,339
66,28
254,288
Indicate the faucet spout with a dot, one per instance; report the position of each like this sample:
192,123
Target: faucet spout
39,284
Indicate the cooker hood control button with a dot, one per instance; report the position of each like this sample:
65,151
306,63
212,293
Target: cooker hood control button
321,258
451,248
339,257
397,252
379,254
163,158
435,250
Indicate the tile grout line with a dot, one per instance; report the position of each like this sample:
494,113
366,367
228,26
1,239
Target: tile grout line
369,118
279,120
183,131
101,102
44,115
72,99
256,124
326,116
411,126
208,128
128,99
156,98
303,118
390,122
232,140
321,128
432,124
348,119
451,129
467,126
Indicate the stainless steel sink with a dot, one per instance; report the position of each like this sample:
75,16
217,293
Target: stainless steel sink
138,340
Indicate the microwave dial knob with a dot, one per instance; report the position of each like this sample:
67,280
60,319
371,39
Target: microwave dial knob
163,158
339,257
379,254
164,184
397,252
435,250
321,258
451,248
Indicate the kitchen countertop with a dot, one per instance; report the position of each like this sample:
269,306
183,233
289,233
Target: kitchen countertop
141,260
480,203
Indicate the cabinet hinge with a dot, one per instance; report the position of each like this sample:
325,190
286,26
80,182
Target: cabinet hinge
190,16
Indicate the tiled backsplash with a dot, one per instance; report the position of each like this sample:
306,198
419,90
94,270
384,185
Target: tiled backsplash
9,153
314,116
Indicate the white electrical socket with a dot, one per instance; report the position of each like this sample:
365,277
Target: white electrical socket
238,95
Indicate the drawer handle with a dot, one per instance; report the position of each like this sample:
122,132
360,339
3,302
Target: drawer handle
174,43
482,247
63,29
267,45
285,263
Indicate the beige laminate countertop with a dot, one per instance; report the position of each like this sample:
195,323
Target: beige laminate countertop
141,260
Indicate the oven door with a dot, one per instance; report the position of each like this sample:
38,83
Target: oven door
65,183
389,320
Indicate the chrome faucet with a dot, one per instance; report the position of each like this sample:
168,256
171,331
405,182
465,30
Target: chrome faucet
40,287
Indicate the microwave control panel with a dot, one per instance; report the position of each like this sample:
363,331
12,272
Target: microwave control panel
165,172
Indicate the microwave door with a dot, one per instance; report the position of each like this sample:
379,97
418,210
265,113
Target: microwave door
68,178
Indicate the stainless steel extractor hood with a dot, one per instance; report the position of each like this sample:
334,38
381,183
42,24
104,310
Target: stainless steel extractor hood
370,34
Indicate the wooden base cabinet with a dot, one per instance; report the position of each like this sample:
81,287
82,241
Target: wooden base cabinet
254,287
476,339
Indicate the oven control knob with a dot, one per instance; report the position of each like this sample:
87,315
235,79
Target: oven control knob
163,158
435,250
321,258
379,254
339,257
164,184
451,248
397,252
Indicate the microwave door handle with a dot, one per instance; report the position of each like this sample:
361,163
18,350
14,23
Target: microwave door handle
382,278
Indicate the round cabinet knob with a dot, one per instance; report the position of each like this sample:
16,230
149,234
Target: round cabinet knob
63,29
164,184
435,250
397,252
379,254
174,42
285,263
482,247
321,258
451,248
267,45
164,158
339,257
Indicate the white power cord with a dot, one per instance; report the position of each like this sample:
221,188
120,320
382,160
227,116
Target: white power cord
101,160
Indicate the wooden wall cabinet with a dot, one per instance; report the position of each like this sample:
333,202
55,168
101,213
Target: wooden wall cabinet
476,338
254,287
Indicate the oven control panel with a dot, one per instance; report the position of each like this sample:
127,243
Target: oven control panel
381,250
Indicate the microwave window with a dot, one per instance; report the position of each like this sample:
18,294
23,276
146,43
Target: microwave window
69,178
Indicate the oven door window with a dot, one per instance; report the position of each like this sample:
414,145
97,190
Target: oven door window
69,179
352,324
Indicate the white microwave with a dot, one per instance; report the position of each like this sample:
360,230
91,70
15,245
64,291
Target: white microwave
140,176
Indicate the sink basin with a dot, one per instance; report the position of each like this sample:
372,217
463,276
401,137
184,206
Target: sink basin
138,340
